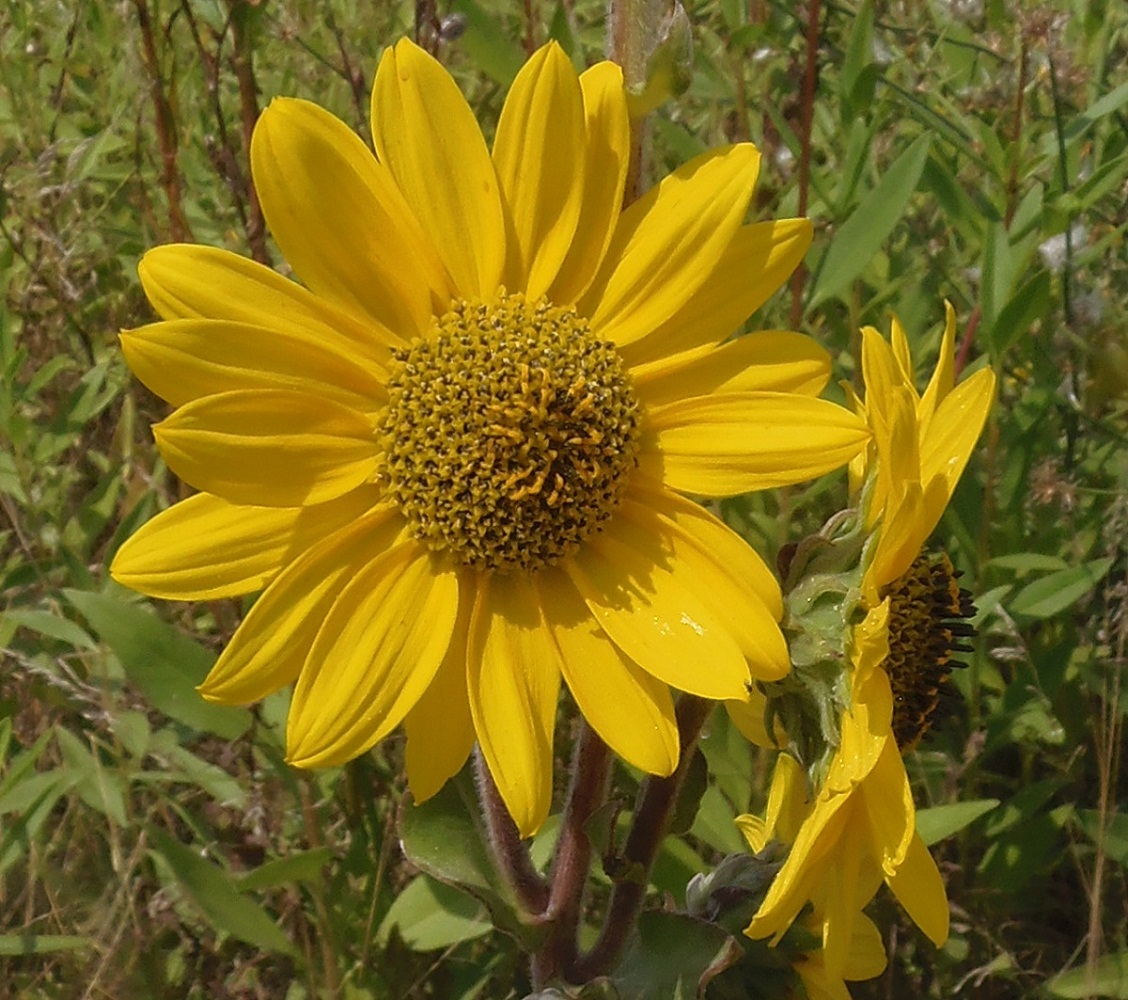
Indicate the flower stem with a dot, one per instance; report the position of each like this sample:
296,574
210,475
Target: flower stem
508,850
591,773
655,808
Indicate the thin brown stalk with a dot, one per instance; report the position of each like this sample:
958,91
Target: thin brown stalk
165,122
810,82
242,60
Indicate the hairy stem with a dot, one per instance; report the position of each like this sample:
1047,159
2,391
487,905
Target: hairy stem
655,808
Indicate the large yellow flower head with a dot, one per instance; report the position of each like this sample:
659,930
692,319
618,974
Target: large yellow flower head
861,826
454,455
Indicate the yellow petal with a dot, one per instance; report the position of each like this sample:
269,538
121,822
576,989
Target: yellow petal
182,360
731,443
655,611
889,806
269,447
770,361
867,951
743,594
513,677
376,653
537,155
440,729
269,648
952,436
341,222
756,262
426,135
668,242
822,840
754,831
749,718
185,281
920,889
901,353
606,155
944,375
204,548
841,907
631,710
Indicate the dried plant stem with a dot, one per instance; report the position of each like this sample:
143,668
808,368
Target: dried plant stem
655,808
243,63
810,82
165,123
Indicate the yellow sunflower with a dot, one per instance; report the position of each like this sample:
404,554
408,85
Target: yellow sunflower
454,455
822,979
861,827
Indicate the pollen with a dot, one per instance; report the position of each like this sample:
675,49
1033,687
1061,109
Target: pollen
928,623
510,433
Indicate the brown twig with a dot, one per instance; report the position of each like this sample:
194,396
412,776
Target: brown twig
810,83
166,127
242,60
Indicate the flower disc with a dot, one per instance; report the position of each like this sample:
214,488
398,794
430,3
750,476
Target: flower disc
510,433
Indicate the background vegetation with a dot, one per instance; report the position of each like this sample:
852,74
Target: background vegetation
154,846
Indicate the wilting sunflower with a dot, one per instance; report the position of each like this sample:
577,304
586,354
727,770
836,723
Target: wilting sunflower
454,455
823,975
861,827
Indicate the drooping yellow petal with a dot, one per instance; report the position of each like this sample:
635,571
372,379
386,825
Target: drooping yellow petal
952,435
439,727
376,653
732,443
840,904
340,220
630,709
668,242
820,838
769,361
606,155
426,135
867,951
889,806
752,267
656,613
269,447
943,375
269,648
543,115
513,677
750,719
205,548
920,890
186,281
743,594
182,360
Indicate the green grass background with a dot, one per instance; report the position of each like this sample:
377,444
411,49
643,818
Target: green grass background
154,846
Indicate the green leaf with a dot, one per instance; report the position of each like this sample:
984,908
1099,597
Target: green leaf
1114,835
1052,594
38,944
165,664
305,866
214,893
488,44
51,626
1017,317
431,915
870,225
441,838
673,954
1108,978
942,821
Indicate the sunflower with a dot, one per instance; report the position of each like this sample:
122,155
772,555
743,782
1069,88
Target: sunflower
861,826
823,976
453,457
